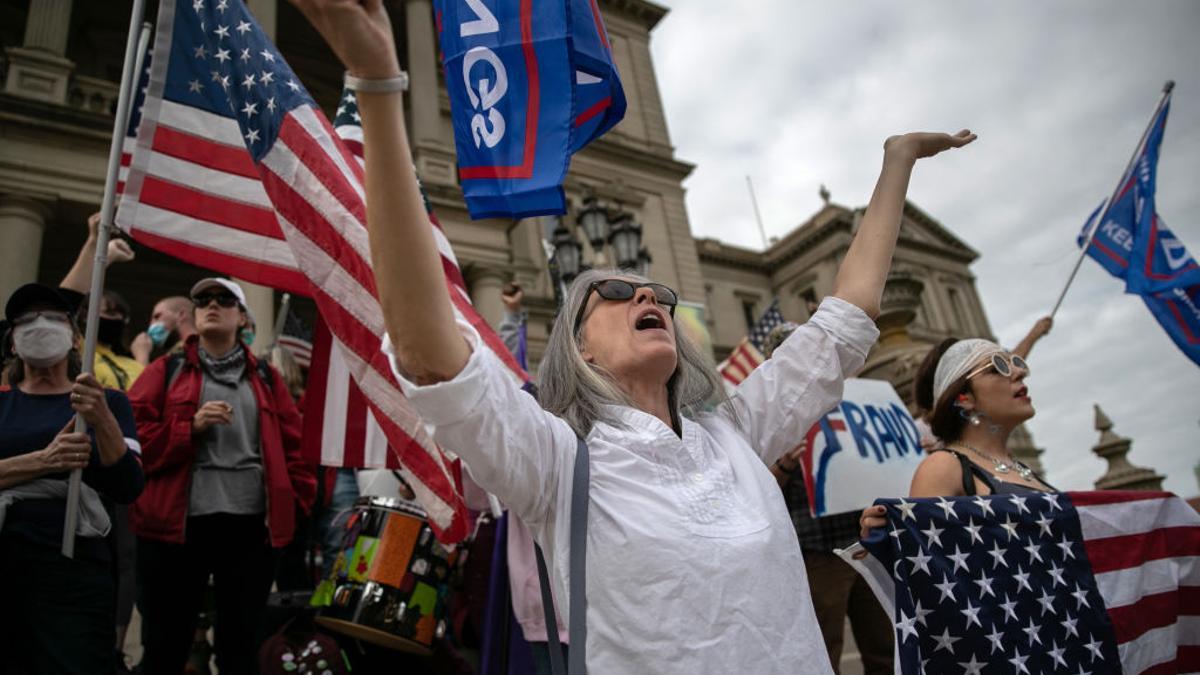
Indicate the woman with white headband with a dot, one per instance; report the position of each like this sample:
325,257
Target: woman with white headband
976,395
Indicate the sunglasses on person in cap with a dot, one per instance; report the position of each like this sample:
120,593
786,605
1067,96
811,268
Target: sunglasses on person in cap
224,299
619,289
1003,364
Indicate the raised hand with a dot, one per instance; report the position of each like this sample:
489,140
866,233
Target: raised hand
119,251
358,31
511,296
922,144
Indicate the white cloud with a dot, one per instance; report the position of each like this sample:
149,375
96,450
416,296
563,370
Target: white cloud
799,94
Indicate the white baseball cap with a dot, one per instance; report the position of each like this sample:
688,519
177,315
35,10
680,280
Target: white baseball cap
229,285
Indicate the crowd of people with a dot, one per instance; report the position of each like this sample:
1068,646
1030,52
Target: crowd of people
702,554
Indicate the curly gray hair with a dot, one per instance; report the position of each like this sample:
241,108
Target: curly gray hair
577,391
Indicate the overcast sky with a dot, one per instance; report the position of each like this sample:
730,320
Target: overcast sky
796,94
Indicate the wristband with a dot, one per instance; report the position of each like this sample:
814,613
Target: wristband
370,86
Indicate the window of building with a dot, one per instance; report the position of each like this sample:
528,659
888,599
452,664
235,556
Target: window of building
809,296
750,315
956,307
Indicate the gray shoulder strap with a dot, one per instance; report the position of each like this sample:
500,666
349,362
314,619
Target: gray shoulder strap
577,622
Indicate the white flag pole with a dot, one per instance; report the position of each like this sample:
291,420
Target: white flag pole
135,51
1113,197
280,318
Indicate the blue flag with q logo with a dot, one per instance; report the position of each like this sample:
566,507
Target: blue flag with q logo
528,88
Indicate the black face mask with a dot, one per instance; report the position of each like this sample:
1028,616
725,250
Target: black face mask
111,332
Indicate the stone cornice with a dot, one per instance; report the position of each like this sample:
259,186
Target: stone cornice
647,13
55,118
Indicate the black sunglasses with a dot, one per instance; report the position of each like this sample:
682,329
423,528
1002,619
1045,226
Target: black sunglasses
225,300
619,289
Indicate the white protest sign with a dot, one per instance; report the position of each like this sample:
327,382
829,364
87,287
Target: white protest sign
865,448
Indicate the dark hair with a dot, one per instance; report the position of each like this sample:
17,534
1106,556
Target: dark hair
114,298
943,415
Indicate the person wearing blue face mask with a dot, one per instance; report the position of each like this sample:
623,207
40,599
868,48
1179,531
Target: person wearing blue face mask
171,324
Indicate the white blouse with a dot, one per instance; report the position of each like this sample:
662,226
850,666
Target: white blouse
693,563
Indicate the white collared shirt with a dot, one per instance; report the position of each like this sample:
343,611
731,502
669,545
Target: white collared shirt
692,562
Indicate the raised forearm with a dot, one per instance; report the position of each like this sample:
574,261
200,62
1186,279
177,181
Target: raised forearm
408,270
865,268
79,277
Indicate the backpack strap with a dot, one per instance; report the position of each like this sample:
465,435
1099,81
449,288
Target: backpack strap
577,621
117,371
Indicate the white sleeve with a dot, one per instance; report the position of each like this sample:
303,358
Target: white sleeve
775,406
513,448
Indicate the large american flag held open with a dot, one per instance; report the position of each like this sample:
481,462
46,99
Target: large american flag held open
236,169
1080,582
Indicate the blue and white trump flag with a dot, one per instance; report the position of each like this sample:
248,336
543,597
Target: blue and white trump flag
1134,243
528,88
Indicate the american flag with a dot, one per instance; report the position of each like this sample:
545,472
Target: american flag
297,340
748,354
237,170
135,118
1082,582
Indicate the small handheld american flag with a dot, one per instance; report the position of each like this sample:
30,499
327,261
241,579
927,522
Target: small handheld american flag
748,354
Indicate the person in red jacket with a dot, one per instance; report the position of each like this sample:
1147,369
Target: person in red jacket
224,479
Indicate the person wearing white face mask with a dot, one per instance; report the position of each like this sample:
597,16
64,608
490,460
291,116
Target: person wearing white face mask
58,611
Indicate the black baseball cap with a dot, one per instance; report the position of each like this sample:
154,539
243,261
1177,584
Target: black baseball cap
35,295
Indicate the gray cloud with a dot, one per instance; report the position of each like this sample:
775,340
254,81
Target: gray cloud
799,94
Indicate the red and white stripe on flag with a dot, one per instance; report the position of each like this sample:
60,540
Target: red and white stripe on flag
339,427
741,362
1144,548
294,220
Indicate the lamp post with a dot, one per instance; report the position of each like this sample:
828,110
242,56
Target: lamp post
593,218
626,239
567,252
564,253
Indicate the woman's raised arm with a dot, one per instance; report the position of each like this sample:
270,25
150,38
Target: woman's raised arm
408,270
865,268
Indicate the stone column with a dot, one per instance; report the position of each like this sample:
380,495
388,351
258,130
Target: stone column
38,69
434,160
486,286
422,70
22,222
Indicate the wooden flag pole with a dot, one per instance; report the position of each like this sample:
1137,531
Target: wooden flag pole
1113,197
135,51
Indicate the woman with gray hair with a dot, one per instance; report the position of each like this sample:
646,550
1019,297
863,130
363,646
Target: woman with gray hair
692,562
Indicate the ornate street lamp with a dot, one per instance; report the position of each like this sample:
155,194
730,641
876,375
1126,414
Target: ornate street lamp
626,240
593,218
643,263
567,252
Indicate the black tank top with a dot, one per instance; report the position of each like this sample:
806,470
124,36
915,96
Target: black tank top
971,470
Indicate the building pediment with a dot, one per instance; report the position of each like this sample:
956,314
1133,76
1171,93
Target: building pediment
921,230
